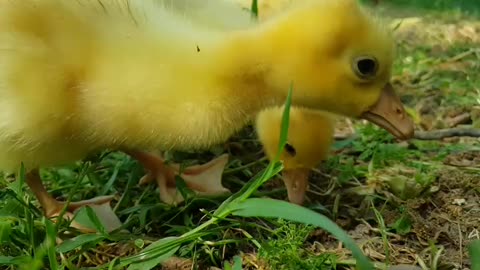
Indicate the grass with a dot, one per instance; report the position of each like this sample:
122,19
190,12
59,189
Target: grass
410,203
468,7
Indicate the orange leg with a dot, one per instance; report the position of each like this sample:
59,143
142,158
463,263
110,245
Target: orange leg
204,179
52,207
157,170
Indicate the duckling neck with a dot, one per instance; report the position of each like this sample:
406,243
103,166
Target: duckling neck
271,59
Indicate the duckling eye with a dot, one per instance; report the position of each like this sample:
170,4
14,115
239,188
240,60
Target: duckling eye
290,149
365,67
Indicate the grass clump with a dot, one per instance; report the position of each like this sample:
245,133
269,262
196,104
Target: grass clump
287,250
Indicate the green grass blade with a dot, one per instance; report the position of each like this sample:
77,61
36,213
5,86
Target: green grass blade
30,228
254,9
71,244
150,263
36,263
281,209
182,187
474,253
50,243
237,263
5,230
285,123
86,169
19,260
95,220
274,167
253,185
21,180
108,186
161,247
113,264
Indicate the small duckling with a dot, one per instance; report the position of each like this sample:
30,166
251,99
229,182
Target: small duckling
310,136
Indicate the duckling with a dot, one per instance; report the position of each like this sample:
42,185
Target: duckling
310,136
82,76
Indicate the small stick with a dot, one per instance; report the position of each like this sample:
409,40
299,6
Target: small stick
343,136
446,133
459,119
430,135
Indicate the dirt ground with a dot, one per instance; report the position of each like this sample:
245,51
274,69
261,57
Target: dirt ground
444,217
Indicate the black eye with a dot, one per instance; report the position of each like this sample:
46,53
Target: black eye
290,149
365,67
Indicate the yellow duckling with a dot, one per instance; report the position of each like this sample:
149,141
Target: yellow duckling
310,136
81,76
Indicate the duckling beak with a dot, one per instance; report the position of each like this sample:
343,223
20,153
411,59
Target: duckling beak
390,114
296,182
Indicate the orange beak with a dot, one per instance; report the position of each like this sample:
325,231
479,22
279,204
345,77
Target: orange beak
296,182
390,114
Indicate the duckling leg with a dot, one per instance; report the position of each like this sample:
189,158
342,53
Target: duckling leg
52,207
157,170
205,179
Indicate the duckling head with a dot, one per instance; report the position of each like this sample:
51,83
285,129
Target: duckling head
310,136
339,58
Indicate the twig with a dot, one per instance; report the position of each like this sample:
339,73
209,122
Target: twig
446,133
344,136
463,55
459,119
429,135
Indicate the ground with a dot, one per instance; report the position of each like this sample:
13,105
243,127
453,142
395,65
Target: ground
413,203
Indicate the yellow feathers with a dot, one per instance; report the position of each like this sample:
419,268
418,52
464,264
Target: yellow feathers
141,75
80,76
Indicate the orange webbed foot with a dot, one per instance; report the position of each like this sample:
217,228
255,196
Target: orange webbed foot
100,205
205,179
53,208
